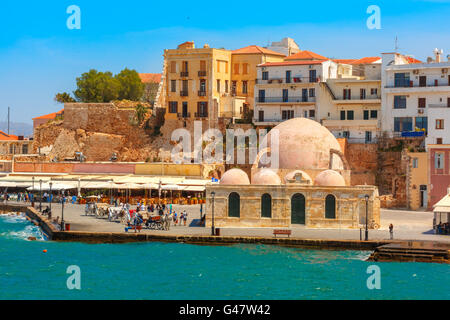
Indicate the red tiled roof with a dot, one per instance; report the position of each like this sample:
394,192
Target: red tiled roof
256,50
306,55
9,137
291,63
150,77
50,116
412,60
366,60
345,61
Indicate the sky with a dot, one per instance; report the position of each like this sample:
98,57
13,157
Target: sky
40,56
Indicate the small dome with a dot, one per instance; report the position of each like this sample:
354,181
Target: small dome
330,178
266,177
235,177
291,176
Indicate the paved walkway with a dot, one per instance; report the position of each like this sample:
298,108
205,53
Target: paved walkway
408,225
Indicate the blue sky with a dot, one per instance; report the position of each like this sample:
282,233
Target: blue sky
40,56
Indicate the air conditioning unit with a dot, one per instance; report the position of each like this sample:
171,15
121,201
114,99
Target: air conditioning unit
416,71
444,70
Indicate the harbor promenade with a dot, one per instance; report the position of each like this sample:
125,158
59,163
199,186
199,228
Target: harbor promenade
408,225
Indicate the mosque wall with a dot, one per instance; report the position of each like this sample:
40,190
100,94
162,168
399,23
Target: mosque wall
349,213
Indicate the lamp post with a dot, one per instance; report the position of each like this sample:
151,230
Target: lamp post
367,218
51,195
32,193
40,195
62,210
213,229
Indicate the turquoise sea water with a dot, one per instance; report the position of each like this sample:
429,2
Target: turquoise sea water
181,271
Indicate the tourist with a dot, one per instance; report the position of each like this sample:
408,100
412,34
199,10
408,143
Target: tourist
185,217
175,216
391,231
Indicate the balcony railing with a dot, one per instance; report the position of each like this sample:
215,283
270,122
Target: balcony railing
201,115
439,105
285,99
292,80
202,73
414,84
184,115
184,93
184,74
202,93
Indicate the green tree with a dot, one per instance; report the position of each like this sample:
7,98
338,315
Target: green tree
131,86
141,111
94,86
64,97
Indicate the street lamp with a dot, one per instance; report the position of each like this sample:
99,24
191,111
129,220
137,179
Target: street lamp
40,195
367,218
62,210
213,229
32,193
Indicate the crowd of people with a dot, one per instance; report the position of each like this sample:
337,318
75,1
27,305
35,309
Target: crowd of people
443,228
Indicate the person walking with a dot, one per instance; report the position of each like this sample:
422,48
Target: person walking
185,217
391,231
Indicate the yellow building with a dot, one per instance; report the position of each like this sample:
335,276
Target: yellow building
417,180
207,83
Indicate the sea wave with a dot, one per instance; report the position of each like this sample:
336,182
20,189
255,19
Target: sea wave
28,230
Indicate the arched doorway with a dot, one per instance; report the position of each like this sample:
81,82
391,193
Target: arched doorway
234,205
298,215
330,207
266,206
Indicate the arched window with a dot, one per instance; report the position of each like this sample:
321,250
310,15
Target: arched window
234,205
266,206
330,207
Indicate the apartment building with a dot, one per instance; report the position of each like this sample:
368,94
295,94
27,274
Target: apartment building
439,172
289,89
208,83
416,97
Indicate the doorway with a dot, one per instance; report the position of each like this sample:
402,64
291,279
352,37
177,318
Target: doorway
298,214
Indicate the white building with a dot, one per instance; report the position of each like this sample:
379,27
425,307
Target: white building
416,97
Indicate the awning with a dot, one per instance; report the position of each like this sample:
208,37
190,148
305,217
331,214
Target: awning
441,210
195,188
172,187
55,186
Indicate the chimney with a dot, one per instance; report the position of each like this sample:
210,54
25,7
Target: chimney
438,53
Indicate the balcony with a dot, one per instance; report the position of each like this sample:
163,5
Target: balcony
202,93
184,74
439,105
409,134
202,73
184,115
184,93
342,124
367,100
201,115
417,87
285,100
293,80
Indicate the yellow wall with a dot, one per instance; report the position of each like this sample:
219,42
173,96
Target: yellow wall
417,177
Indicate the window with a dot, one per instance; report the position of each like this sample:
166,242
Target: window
233,87
415,163
439,161
202,109
312,113
399,102
312,93
401,80
403,124
347,94
185,66
265,75
422,102
245,68
173,85
346,134
234,205
350,115
342,115
25,149
288,76
244,87
202,85
236,68
185,86
422,123
202,65
439,124
226,86
173,67
374,91
226,66
266,206
362,94
261,95
285,95
368,136
287,114
373,114
330,207
218,65
173,107
218,85
438,140
366,115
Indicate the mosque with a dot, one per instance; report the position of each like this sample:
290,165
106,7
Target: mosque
311,186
